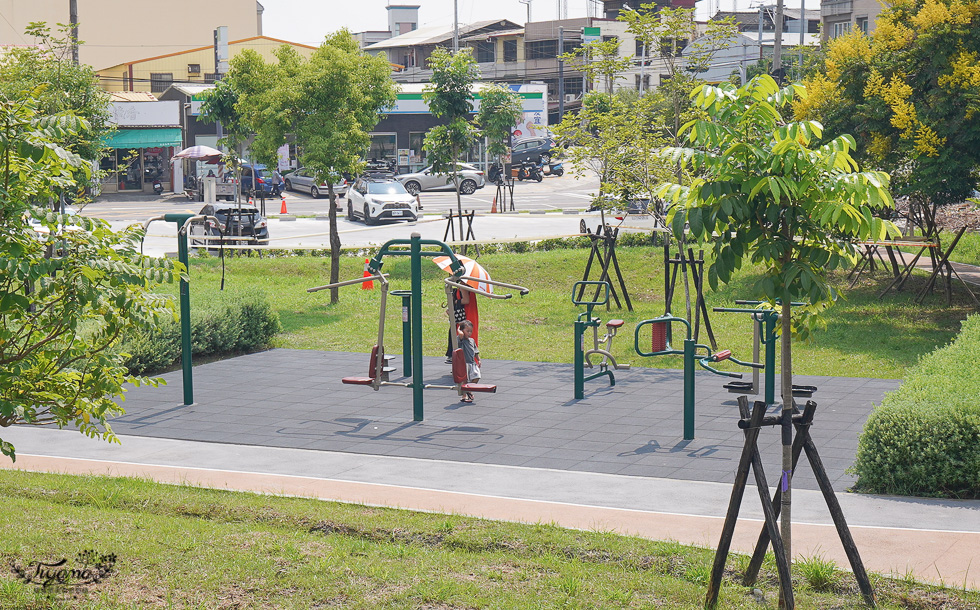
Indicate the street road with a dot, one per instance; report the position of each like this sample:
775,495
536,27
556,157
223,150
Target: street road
543,211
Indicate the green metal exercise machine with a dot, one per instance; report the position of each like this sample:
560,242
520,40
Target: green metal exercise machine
412,315
603,346
183,222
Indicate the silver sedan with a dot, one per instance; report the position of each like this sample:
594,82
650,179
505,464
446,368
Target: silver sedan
471,179
302,180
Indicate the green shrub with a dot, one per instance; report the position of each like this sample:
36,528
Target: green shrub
235,323
924,439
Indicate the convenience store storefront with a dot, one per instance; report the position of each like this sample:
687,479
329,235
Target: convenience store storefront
148,135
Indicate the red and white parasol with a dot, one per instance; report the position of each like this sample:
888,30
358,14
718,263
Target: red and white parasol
471,268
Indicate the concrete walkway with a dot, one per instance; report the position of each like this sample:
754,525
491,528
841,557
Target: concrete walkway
281,422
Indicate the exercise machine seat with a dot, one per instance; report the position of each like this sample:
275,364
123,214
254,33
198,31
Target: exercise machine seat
371,371
614,323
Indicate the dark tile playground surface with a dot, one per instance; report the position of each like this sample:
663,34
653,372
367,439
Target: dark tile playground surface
294,398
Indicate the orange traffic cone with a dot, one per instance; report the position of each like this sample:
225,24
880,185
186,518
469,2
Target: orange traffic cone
493,210
282,210
250,200
369,285
418,200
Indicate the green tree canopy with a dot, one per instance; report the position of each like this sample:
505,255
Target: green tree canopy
327,104
450,98
910,93
70,287
500,110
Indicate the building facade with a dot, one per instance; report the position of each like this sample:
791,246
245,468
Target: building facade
841,16
193,66
147,136
115,31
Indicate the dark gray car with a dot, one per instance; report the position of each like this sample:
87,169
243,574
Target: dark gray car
531,150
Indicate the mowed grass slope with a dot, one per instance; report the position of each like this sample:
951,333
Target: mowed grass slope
864,337
184,547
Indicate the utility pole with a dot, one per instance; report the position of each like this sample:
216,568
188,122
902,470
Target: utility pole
561,73
455,26
777,46
804,30
73,22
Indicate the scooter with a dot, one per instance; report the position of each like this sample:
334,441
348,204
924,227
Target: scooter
551,169
157,186
529,171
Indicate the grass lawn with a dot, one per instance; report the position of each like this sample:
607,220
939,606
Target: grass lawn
184,547
864,337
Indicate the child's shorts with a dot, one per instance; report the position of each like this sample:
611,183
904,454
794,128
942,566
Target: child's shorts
472,371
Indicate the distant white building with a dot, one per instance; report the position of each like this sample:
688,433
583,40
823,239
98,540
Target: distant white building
748,48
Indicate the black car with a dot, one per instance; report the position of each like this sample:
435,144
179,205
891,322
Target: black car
235,222
531,150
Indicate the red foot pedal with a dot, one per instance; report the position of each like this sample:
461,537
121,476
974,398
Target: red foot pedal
479,387
722,355
357,380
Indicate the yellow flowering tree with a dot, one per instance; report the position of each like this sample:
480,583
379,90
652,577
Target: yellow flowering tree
910,93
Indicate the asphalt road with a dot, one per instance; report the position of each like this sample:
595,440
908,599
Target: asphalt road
551,208
553,193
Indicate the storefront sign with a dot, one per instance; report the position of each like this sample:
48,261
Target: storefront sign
146,114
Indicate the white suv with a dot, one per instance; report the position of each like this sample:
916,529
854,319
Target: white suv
375,199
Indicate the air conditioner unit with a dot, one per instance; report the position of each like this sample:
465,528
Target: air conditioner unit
193,68
570,97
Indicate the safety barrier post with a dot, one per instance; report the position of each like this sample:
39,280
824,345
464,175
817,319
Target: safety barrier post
416,316
406,296
579,361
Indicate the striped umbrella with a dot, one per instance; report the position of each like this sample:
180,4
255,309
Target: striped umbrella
471,268
200,153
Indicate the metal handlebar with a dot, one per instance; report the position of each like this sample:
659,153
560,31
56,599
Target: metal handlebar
704,364
382,277
458,283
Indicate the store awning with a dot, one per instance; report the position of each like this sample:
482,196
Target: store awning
144,138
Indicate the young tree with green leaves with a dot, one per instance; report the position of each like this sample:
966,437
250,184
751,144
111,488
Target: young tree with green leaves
910,92
328,104
765,191
69,89
601,61
500,110
450,98
70,287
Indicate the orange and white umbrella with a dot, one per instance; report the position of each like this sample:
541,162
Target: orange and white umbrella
471,268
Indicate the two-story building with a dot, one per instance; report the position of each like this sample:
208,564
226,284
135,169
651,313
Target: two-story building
842,16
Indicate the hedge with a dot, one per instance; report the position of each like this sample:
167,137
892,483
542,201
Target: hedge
233,323
924,439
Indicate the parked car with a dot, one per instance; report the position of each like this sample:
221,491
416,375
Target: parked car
531,150
471,179
375,199
302,180
254,227
260,178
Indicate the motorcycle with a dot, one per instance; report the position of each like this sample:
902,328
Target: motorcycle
551,169
529,171
157,186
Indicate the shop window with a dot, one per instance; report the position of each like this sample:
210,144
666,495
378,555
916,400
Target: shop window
416,150
129,170
154,165
510,51
383,146
160,81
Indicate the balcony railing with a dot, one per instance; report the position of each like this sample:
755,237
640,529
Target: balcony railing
829,9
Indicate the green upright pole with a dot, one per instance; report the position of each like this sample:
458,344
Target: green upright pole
406,296
579,361
185,307
770,338
416,316
689,389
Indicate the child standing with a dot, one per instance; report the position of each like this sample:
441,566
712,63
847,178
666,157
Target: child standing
471,353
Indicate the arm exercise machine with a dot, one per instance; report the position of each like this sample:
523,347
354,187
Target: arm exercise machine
413,331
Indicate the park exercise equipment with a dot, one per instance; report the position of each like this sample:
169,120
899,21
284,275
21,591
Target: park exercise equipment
412,329
685,264
660,345
764,332
183,222
602,346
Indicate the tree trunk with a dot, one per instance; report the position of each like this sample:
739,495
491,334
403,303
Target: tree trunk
334,244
